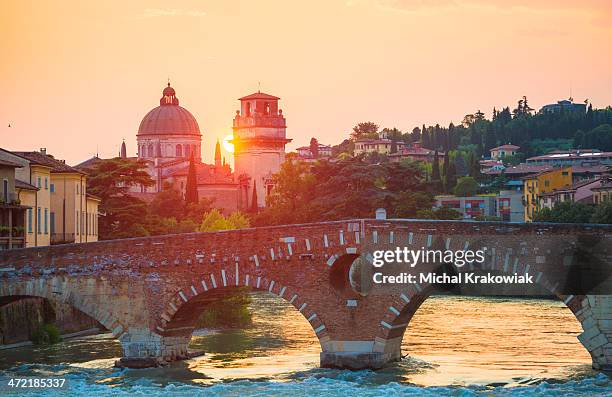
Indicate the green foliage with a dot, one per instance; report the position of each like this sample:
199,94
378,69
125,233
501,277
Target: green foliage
110,180
566,212
440,213
46,334
603,213
466,186
229,312
215,221
127,216
408,204
345,148
168,203
366,129
191,188
597,138
513,159
535,133
541,146
351,188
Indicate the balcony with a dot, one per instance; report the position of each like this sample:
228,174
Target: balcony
12,220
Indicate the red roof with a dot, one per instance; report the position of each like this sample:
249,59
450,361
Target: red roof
48,161
520,169
5,163
24,185
259,95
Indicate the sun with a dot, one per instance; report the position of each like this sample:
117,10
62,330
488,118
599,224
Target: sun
227,144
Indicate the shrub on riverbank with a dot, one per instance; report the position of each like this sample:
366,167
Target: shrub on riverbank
229,312
46,334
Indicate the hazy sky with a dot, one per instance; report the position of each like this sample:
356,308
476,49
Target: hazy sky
80,75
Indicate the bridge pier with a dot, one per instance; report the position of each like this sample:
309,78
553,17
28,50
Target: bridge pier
143,348
595,315
356,355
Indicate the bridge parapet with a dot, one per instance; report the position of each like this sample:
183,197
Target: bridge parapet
148,291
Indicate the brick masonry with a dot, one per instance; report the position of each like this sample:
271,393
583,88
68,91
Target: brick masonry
149,291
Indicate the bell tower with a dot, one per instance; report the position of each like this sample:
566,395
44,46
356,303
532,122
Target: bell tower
259,146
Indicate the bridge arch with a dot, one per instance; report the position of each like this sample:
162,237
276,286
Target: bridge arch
396,319
65,291
176,323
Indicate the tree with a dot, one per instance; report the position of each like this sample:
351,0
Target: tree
254,200
215,221
566,212
191,188
366,129
350,188
451,176
439,213
409,203
314,148
435,172
598,138
603,213
111,180
168,203
466,186
445,169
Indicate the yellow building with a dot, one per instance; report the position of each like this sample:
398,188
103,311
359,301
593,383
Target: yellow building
535,186
61,210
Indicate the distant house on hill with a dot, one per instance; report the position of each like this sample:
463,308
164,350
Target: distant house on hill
566,105
415,152
497,153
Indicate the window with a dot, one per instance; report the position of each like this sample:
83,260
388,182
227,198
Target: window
77,188
5,190
76,227
179,151
46,183
546,183
46,220
38,183
38,225
52,222
30,220
53,188
83,221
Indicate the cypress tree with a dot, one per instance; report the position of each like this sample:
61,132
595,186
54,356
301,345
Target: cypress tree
254,206
191,189
435,168
446,170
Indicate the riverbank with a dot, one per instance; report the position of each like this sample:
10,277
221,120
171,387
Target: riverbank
65,337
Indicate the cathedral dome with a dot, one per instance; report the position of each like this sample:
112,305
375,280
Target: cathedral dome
169,118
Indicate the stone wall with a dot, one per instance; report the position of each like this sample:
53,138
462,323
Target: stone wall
145,290
20,318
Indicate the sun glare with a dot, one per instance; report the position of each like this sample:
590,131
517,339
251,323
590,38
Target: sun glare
227,144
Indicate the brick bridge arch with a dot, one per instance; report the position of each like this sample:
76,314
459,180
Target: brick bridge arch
177,322
142,288
59,290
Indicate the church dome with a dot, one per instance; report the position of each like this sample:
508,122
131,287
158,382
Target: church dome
169,118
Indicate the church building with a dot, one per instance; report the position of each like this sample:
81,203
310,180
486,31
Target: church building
169,136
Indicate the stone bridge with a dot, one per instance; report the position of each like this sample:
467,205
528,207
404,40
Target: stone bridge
150,291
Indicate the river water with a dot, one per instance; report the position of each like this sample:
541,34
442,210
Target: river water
456,346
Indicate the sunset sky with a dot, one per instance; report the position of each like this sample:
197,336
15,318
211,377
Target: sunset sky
78,76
